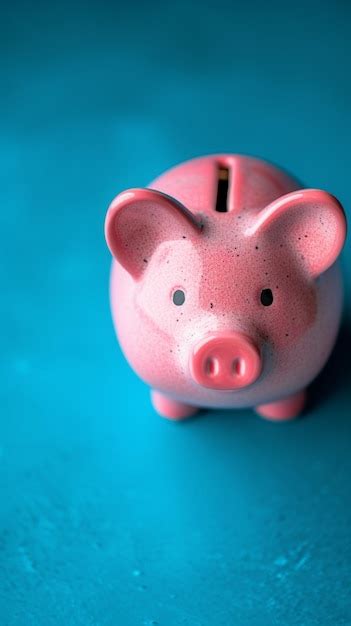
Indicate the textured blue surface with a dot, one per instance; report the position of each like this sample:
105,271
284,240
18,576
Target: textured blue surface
109,515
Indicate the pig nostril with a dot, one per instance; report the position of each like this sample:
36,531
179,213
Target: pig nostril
239,367
211,366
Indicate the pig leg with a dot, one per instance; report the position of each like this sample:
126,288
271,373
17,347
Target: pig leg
285,409
171,409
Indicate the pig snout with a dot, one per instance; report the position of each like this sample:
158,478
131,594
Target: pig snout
225,361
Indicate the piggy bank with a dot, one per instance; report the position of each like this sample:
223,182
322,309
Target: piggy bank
225,286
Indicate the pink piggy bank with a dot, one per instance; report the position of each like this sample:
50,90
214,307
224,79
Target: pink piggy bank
225,291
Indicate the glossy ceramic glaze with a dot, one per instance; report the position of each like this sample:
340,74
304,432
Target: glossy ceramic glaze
225,290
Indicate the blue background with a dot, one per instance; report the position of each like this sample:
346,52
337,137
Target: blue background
110,515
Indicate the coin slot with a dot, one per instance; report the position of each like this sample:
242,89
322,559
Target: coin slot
222,189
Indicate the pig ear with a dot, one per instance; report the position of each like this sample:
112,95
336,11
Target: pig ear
138,220
310,221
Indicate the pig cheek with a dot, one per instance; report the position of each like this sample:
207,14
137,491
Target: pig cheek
164,326
153,306
154,344
167,331
292,314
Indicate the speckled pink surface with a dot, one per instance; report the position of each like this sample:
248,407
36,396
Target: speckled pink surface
273,236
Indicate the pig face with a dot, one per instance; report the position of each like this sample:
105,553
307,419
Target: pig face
218,301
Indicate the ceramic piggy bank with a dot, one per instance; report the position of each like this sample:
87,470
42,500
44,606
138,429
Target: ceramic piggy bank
225,291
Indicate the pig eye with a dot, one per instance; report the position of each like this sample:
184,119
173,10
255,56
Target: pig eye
266,297
178,297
